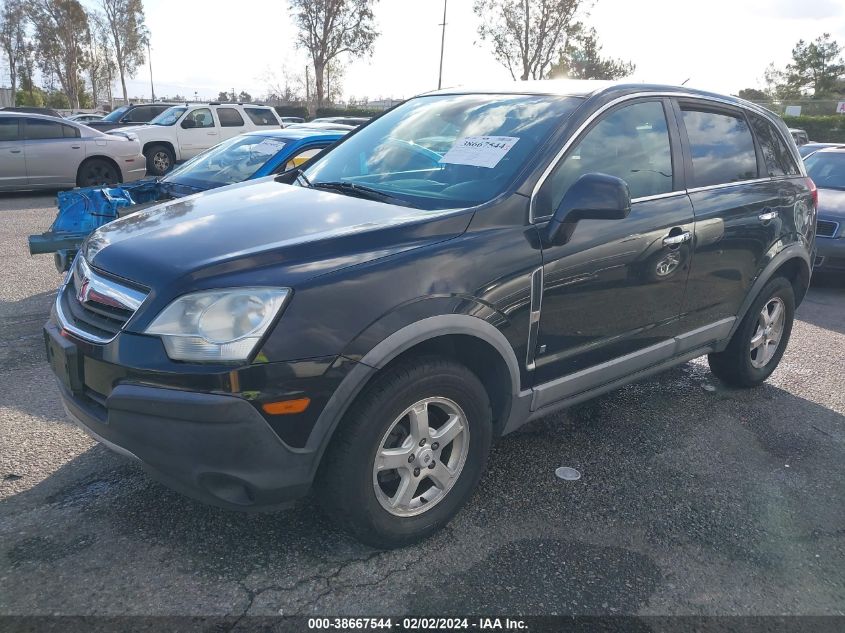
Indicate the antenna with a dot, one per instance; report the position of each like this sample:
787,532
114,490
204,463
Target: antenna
685,81
442,44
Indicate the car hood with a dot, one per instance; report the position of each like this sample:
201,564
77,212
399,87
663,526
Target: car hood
832,204
294,232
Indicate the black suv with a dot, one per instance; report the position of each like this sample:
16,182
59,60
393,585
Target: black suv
367,325
133,114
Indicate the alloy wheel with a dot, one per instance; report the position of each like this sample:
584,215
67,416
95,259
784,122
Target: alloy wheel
769,331
421,456
161,162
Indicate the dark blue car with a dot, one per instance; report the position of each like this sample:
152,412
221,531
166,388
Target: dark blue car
241,158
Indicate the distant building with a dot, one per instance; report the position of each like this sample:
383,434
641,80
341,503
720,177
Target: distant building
7,99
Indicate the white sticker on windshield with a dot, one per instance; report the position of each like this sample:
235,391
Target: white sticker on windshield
479,151
268,146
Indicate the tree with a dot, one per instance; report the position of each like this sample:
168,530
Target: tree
13,40
330,28
26,68
581,59
125,19
244,97
752,94
527,35
816,66
100,56
61,37
222,96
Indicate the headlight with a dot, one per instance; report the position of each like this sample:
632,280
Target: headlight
218,325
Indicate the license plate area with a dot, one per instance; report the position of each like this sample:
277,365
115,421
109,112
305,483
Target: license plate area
65,360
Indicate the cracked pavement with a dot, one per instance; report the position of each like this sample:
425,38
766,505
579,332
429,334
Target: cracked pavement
695,499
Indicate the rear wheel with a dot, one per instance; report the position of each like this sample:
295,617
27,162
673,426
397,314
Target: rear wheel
409,453
97,171
160,159
760,341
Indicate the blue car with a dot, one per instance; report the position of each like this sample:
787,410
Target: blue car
241,158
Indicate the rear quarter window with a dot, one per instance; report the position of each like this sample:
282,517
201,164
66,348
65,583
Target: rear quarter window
262,116
721,145
776,155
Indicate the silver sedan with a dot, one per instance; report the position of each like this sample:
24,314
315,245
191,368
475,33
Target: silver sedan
42,152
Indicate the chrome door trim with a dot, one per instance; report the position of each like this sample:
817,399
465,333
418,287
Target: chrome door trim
725,185
536,305
575,136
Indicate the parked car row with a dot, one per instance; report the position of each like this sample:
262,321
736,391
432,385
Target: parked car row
366,324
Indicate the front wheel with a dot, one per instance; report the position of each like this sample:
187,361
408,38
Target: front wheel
160,160
97,171
760,341
409,452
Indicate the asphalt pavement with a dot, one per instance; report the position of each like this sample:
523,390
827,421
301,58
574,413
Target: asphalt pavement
694,499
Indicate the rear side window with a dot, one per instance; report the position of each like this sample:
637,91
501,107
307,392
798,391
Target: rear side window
722,147
631,143
261,116
776,155
229,117
8,129
41,129
142,114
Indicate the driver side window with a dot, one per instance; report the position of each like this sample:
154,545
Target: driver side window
198,118
631,143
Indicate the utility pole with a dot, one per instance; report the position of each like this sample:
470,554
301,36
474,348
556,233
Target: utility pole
442,45
150,59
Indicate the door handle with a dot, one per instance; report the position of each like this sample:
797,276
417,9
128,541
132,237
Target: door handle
212,133
675,240
767,216
14,151
75,146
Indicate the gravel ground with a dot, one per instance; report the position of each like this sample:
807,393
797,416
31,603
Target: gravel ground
695,499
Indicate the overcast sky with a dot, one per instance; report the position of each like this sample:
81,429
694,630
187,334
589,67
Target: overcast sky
720,45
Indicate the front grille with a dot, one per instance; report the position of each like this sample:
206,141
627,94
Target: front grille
826,228
94,306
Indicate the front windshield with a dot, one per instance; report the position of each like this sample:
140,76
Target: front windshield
229,162
827,169
445,151
169,116
115,115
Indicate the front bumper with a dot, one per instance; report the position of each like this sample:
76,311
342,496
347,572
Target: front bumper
134,170
830,254
213,446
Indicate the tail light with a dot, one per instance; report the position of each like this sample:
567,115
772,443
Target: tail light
814,193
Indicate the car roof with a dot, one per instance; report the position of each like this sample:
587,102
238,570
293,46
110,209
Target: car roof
831,150
35,115
587,88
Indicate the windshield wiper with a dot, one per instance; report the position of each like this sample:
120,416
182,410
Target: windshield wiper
302,178
362,191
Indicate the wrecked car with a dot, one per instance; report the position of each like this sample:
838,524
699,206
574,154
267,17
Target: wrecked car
243,157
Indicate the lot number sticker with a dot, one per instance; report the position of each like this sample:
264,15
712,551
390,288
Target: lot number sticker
479,151
268,146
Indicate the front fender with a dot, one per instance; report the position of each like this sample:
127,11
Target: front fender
478,321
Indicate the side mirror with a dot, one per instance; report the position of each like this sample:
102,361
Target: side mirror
592,197
188,123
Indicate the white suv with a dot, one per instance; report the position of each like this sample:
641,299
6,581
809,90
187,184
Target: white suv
183,131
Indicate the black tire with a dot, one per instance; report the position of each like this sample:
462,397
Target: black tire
346,483
734,366
160,159
97,171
